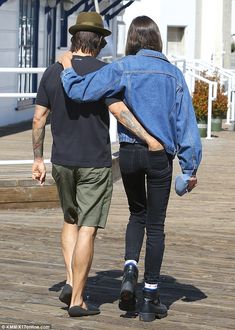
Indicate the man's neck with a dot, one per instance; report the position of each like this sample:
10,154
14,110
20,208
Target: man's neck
80,53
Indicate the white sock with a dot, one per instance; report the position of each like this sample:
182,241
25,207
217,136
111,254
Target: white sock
150,286
133,262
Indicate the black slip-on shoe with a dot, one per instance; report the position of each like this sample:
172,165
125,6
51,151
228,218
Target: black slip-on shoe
151,307
77,311
66,294
127,300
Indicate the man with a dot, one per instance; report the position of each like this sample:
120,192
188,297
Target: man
81,157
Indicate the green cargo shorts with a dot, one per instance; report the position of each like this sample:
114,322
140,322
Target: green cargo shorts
85,194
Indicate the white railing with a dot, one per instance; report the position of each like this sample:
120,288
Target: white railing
227,78
181,63
212,94
21,162
194,72
113,122
20,95
20,70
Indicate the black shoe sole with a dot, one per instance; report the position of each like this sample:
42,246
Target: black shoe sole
149,317
127,295
127,301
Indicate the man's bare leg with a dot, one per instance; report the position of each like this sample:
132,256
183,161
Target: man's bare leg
69,237
82,259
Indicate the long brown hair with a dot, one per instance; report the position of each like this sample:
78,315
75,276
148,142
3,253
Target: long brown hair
143,33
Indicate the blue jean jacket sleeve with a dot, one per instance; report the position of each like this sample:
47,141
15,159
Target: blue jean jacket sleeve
189,142
91,87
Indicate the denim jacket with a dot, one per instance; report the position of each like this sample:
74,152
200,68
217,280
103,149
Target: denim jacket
156,92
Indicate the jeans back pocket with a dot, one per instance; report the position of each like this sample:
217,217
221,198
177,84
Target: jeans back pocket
158,160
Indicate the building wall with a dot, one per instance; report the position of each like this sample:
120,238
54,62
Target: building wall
167,13
211,25
140,7
8,58
227,17
173,14
207,25
214,38
9,40
233,17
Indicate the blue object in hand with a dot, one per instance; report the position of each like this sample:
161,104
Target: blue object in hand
181,184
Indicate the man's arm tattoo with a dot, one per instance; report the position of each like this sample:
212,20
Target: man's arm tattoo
128,120
38,140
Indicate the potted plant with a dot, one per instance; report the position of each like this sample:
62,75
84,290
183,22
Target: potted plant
200,103
219,108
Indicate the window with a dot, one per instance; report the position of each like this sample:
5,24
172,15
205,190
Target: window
175,40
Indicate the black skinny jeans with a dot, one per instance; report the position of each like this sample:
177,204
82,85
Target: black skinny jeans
147,179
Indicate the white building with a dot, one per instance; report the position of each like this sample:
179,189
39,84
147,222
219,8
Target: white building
33,32
190,28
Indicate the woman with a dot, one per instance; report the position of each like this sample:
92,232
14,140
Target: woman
156,92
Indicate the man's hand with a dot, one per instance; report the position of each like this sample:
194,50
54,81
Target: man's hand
192,183
38,134
153,144
39,171
65,59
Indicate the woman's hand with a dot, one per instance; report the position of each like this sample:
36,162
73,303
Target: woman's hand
65,59
192,183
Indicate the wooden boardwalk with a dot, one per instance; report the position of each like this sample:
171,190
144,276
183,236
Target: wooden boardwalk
198,273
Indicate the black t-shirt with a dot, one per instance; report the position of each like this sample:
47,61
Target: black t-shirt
80,130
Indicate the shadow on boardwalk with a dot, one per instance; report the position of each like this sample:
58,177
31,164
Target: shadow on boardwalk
104,288
17,128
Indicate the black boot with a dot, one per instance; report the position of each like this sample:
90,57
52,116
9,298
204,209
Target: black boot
127,296
152,307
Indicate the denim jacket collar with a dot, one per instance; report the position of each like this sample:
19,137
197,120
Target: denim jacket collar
152,53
